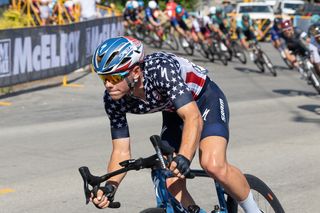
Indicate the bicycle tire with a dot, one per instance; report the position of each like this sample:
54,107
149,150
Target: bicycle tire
259,187
189,48
216,50
315,80
202,50
223,58
155,41
269,64
171,41
239,53
259,64
140,33
153,210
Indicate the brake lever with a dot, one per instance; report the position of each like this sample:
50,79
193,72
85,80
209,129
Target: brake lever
85,173
94,181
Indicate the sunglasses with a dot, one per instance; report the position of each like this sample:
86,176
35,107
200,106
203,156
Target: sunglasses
115,78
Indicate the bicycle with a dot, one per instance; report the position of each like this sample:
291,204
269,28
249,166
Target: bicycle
218,48
186,44
235,50
169,38
261,58
309,71
165,201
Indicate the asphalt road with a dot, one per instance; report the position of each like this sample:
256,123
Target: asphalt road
50,131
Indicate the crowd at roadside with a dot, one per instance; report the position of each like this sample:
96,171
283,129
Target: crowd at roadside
51,12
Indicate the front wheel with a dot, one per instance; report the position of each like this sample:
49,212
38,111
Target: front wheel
171,41
315,79
263,195
186,45
238,52
269,64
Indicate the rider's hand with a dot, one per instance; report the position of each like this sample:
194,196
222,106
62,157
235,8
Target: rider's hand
101,200
180,166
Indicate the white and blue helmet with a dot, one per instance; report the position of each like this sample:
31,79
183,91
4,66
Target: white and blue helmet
117,55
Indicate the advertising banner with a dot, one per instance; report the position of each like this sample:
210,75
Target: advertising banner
35,53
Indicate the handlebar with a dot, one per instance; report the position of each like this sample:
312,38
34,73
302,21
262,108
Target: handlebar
92,182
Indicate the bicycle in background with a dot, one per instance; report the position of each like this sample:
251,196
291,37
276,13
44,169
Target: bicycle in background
166,203
261,59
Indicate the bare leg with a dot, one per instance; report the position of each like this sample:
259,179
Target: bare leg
213,161
177,187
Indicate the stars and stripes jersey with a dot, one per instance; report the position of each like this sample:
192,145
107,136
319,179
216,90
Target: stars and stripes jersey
169,82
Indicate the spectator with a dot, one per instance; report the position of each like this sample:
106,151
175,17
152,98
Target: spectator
88,9
227,7
69,5
44,11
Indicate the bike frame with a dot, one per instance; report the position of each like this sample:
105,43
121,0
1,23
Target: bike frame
167,201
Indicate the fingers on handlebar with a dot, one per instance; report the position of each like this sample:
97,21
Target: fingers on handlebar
103,198
100,200
180,166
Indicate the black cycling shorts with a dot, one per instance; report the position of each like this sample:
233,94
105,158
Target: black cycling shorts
214,109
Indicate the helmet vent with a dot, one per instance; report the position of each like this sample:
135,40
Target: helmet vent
110,58
125,60
100,57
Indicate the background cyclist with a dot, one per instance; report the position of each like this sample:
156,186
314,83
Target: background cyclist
246,32
152,20
314,47
294,40
178,21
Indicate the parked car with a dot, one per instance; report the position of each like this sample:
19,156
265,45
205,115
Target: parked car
256,10
288,7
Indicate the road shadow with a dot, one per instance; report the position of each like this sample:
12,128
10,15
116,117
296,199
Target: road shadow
201,60
283,68
293,92
303,119
311,108
247,70
35,88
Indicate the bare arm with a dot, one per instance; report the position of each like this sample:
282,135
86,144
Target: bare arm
121,151
192,129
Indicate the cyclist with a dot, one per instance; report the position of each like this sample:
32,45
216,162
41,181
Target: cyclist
277,42
294,39
141,12
314,22
202,28
194,110
246,32
221,20
153,22
179,21
275,32
170,9
130,16
314,48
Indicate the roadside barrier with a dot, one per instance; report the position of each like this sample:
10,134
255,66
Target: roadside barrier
36,53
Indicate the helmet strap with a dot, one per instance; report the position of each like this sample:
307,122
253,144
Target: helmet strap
131,84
